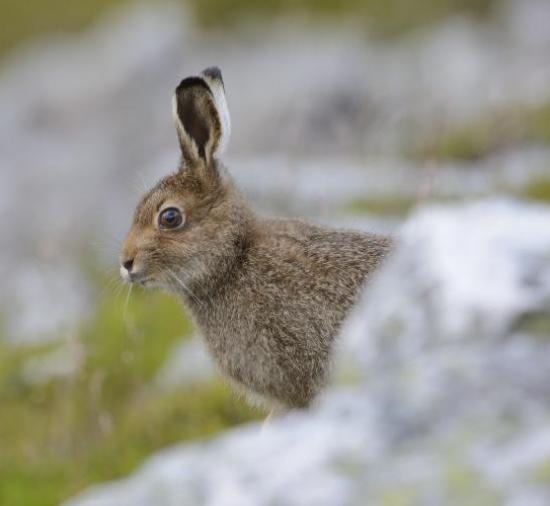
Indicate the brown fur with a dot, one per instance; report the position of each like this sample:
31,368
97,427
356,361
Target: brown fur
269,295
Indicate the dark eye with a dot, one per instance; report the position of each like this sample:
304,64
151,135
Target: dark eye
170,218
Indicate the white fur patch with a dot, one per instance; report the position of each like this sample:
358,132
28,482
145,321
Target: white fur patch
223,112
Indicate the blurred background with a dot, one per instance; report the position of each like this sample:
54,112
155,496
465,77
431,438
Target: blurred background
347,112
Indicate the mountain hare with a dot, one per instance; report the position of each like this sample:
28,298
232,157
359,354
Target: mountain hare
269,295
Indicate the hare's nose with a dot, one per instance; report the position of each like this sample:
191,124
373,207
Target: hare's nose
128,264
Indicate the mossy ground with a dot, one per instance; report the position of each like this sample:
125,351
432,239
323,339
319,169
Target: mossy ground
388,205
22,20
380,17
491,132
98,424
538,189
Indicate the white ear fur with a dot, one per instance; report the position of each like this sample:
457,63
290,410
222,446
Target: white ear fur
219,127
218,92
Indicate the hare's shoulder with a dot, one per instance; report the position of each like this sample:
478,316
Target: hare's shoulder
323,243
288,227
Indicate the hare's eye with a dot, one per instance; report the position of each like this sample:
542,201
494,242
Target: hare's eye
170,218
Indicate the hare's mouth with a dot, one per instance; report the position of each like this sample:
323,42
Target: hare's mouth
149,282
142,280
138,277
145,282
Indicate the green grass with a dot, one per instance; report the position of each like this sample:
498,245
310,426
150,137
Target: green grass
391,205
99,424
535,324
468,143
381,17
497,130
21,20
541,473
538,189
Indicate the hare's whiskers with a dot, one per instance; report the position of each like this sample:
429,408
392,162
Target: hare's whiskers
119,288
126,302
109,285
185,287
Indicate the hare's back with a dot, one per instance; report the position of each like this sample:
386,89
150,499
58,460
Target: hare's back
326,247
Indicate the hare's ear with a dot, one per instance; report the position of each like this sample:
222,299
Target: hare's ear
201,117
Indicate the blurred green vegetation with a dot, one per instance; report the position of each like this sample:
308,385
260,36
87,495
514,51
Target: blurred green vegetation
22,20
538,189
491,132
390,205
541,473
536,324
466,485
380,17
99,423
396,205
400,496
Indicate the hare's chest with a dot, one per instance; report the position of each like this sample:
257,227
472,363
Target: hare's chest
229,351
239,356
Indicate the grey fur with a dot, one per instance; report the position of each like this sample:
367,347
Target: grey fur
269,295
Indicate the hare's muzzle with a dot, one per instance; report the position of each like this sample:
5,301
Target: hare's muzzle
127,271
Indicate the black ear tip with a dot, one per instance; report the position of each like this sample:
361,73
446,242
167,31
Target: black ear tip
214,73
189,82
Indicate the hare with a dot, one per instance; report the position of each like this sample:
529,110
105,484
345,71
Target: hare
268,295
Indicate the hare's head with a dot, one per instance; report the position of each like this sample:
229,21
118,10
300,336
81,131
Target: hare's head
189,225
